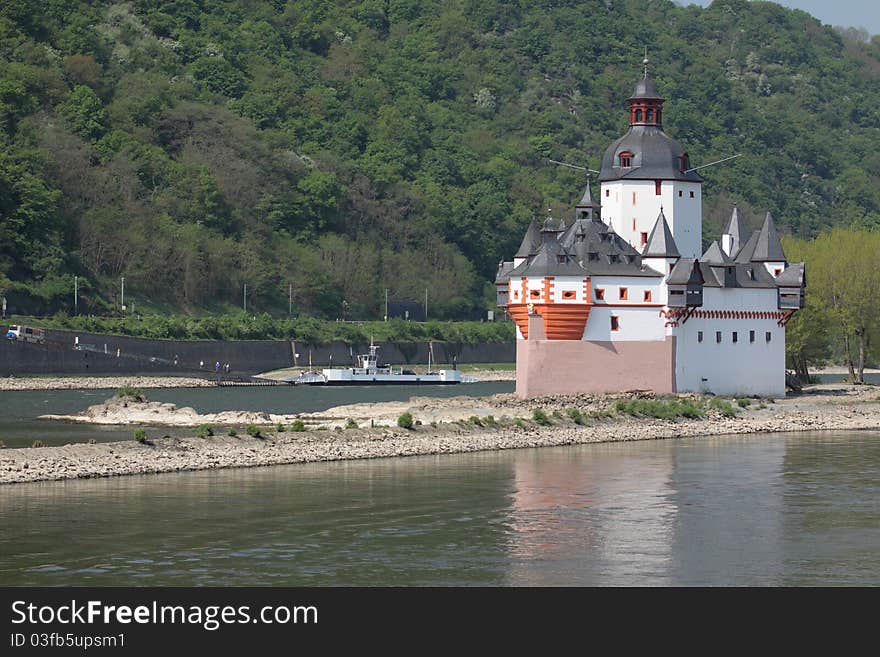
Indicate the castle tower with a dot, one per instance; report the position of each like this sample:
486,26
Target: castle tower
661,252
645,169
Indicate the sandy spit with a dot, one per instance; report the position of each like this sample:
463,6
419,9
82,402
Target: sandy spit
823,408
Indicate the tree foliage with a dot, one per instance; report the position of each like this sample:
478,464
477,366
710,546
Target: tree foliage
343,148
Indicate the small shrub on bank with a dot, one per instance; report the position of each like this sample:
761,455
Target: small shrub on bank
662,409
131,391
280,428
298,425
743,403
140,435
520,423
232,433
475,420
490,421
540,417
205,431
254,431
351,424
576,416
723,406
405,421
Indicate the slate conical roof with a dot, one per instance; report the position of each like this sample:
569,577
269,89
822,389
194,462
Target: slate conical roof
737,231
587,199
715,255
531,242
661,244
768,248
745,253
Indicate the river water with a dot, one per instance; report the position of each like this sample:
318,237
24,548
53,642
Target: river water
772,509
19,410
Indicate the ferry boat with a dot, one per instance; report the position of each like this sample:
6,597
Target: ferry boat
368,372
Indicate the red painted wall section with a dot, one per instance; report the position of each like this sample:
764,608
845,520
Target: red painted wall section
568,367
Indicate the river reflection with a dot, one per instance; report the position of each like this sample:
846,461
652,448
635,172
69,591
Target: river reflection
772,509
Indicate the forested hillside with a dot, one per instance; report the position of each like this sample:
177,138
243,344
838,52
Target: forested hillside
342,148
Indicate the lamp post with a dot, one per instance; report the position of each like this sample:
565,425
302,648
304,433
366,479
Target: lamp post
122,294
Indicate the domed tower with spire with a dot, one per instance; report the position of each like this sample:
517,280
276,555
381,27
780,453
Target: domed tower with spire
646,168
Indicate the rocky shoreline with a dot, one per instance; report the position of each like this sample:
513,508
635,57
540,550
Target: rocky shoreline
450,431
100,382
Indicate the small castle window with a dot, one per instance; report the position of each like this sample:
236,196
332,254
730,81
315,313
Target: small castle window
624,293
600,294
685,161
699,336
649,116
647,296
751,336
657,185
776,272
626,159
568,294
607,193
634,202
634,219
718,337
767,336
638,116
680,193
615,323
735,336
592,256
561,259
644,238
692,194
535,294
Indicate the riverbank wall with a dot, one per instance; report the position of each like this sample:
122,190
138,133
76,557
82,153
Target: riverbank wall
70,352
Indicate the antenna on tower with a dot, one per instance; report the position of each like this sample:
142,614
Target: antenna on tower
703,166
572,166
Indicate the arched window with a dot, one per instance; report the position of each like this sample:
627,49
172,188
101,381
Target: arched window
650,116
638,116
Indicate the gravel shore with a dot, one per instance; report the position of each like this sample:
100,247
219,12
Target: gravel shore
100,382
822,408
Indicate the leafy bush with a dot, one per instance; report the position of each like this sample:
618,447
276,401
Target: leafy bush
140,435
205,431
232,433
475,420
658,408
743,403
297,425
576,416
254,431
351,424
540,417
280,428
723,406
405,421
490,421
520,423
131,391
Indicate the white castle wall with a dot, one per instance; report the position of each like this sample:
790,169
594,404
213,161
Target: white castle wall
728,368
637,319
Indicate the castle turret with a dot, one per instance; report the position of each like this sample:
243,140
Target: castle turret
645,168
733,237
768,248
661,252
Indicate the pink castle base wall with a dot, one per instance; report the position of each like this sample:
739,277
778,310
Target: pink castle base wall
565,367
